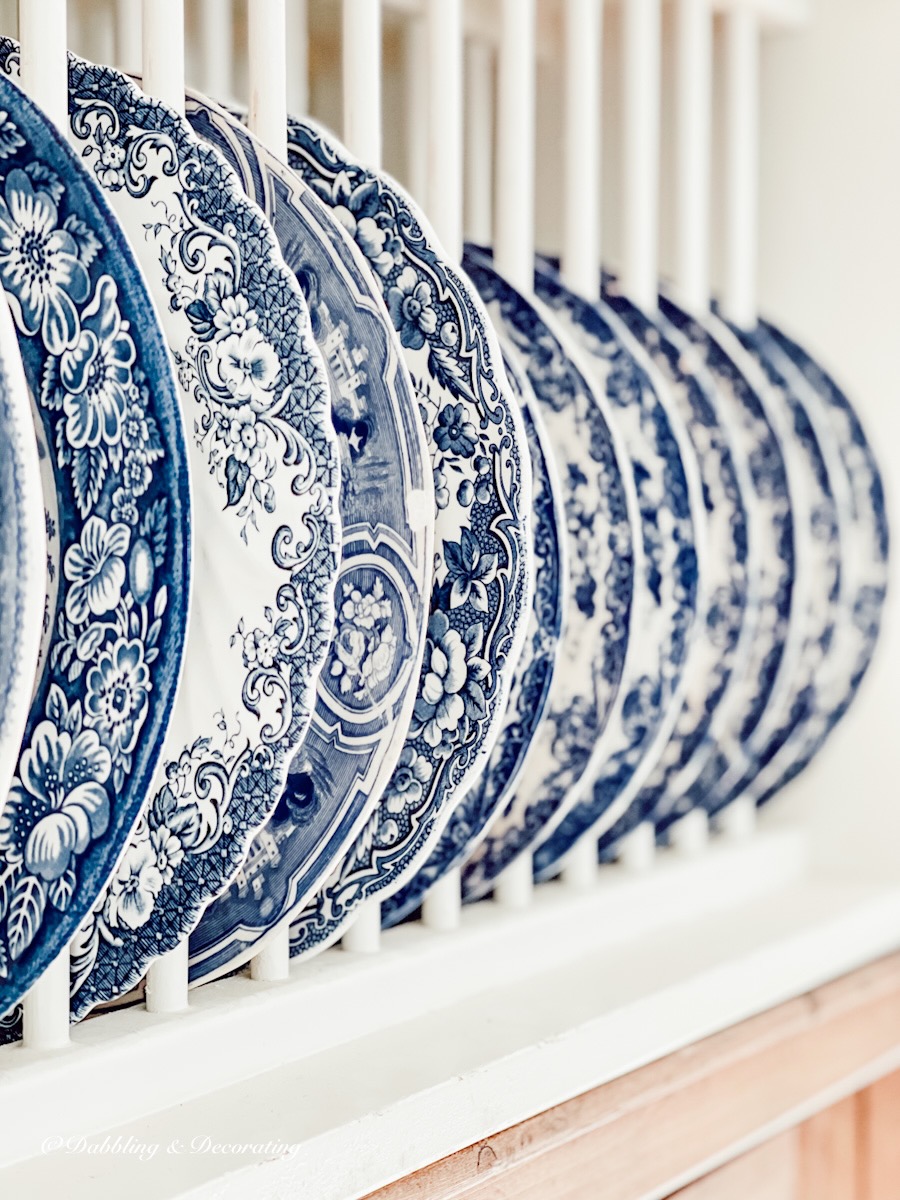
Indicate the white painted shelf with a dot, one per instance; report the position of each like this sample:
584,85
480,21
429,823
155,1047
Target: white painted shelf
373,1066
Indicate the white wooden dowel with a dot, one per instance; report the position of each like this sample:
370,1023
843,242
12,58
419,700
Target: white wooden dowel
444,195
741,49
415,80
44,74
45,1009
442,906
362,79
580,867
272,962
693,118
689,836
515,885
738,819
641,110
582,21
163,51
364,935
637,849
167,981
478,187
267,54
514,200
127,34
298,58
215,36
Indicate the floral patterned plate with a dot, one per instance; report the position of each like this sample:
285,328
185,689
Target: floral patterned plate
864,555
23,547
480,602
772,557
366,692
115,485
842,618
533,675
606,564
717,647
667,600
265,475
820,502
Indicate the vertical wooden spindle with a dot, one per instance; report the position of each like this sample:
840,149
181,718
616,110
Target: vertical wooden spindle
641,109
478,184
582,21
267,50
444,195
163,51
514,201
693,98
362,79
741,50
43,71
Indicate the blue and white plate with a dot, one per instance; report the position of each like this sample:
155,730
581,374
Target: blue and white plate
813,459
366,692
115,484
667,595
606,566
532,678
481,603
264,467
862,517
23,551
725,474
761,655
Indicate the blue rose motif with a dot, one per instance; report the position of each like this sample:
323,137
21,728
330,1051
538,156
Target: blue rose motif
407,785
117,691
470,570
451,688
95,569
409,302
453,433
95,374
40,269
58,805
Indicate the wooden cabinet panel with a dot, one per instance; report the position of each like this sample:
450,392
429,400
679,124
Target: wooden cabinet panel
767,1173
879,1140
828,1154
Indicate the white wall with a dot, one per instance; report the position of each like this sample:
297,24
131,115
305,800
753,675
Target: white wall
830,274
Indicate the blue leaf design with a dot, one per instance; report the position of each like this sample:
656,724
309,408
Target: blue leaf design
88,473
236,475
25,912
57,705
154,528
62,890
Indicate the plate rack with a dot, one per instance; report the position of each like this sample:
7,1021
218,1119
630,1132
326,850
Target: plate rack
377,1057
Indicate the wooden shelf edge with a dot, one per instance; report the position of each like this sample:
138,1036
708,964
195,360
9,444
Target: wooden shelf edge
702,1105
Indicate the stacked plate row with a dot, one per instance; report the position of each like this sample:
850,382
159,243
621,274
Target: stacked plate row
330,567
